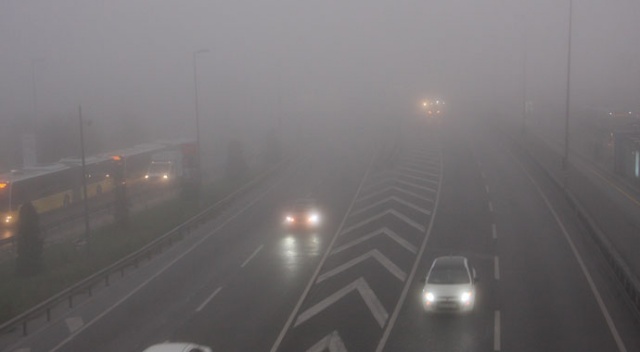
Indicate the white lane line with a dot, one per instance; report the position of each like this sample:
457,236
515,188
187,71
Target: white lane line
209,299
162,270
296,309
483,174
496,267
491,207
486,188
494,232
576,254
251,256
496,331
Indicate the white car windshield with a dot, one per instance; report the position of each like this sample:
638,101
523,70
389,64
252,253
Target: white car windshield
448,276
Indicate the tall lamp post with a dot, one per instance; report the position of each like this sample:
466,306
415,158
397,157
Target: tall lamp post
565,159
195,83
84,181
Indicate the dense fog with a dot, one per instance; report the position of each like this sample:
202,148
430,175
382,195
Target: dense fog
294,66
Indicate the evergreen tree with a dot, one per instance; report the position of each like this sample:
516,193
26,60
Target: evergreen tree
236,162
29,261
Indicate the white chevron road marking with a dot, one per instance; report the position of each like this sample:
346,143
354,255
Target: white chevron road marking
394,198
331,342
373,303
383,231
375,254
382,214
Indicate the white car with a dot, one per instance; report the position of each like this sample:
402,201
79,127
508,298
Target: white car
450,285
177,347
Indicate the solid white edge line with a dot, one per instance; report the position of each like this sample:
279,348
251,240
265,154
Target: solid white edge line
496,267
293,314
405,290
496,331
209,299
592,285
162,270
251,256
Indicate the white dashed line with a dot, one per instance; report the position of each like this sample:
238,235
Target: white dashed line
209,299
486,188
496,268
491,207
494,232
251,256
496,331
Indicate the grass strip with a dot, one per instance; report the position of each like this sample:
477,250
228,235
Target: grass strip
66,264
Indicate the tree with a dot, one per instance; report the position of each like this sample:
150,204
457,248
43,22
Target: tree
29,261
121,203
236,162
273,149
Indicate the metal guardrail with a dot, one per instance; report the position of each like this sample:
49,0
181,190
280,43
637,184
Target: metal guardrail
132,260
621,270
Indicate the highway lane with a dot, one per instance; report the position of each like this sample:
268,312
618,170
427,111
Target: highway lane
533,293
175,297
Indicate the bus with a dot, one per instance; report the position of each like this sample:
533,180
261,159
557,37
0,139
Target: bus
59,185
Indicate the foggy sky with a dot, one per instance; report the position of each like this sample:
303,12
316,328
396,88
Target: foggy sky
306,61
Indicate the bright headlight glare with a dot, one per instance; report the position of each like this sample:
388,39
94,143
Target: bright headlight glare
146,176
8,218
465,297
165,176
430,297
288,218
314,218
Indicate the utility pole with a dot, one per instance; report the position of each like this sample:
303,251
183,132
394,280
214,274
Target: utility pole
198,146
85,203
565,159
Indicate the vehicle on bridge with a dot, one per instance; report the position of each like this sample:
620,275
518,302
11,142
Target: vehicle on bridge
450,285
174,165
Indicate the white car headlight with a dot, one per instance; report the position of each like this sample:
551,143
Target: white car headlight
288,219
465,297
429,297
314,218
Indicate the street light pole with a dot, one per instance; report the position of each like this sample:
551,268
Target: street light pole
565,160
524,80
195,83
34,90
84,181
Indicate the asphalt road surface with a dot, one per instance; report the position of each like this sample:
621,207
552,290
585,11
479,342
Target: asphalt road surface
245,283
